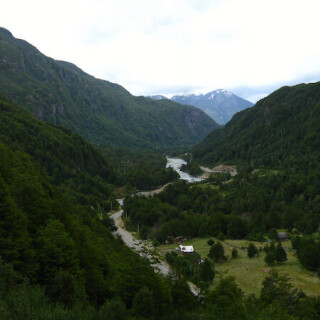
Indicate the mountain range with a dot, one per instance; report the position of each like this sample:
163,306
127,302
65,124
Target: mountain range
58,257
219,104
102,112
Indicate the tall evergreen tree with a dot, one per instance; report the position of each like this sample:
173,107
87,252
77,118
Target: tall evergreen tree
217,252
280,254
252,250
269,258
207,271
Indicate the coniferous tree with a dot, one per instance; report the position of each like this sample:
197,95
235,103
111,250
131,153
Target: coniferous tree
269,258
207,271
217,252
273,234
280,254
234,253
252,250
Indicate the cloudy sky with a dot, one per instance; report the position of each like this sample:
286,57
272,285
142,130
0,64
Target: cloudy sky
250,47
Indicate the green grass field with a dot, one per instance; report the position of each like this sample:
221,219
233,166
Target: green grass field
250,272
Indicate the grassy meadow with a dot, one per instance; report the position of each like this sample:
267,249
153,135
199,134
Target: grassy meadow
250,272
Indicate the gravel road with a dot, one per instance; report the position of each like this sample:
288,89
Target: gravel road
143,248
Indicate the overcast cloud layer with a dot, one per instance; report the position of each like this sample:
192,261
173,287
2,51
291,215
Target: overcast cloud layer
250,47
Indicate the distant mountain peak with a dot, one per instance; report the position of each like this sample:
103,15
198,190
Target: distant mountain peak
158,97
5,31
219,104
219,92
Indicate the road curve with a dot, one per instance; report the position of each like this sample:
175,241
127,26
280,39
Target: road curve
144,248
139,246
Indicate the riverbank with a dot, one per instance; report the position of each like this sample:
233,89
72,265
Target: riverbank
176,164
145,249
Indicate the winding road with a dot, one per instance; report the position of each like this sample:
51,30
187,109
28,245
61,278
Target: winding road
143,248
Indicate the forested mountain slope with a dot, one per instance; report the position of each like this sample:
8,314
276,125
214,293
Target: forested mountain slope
65,157
64,248
55,234
102,112
281,130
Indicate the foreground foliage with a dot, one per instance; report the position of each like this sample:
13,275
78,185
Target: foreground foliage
55,233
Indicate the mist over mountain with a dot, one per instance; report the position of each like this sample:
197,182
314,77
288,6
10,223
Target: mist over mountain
158,97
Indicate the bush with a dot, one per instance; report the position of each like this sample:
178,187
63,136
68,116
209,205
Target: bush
273,234
269,259
234,253
217,252
207,271
169,257
252,250
280,254
221,236
113,309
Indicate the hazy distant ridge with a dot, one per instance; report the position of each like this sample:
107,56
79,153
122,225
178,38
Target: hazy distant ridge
219,104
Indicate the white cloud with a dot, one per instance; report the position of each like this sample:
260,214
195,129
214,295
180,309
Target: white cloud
151,46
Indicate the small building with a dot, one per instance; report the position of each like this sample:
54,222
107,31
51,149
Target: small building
186,249
283,236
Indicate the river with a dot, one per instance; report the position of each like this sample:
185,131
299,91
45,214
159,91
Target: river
176,164
145,248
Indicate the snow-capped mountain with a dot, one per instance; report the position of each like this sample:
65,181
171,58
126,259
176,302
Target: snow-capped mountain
219,104
157,97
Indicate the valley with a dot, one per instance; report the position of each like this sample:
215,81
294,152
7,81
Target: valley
98,188
249,273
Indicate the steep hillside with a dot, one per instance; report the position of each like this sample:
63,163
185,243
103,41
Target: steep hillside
282,129
220,104
66,158
64,249
102,112
55,232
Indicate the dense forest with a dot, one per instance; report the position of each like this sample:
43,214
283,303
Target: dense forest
104,113
59,259
56,244
246,207
69,161
75,165
142,170
64,248
275,146
58,256
280,131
